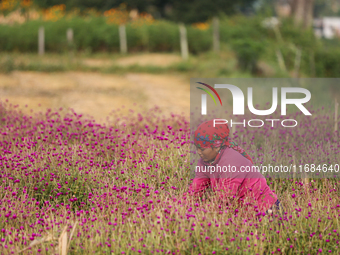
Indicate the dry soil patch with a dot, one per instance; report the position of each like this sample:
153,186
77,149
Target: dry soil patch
96,94
153,59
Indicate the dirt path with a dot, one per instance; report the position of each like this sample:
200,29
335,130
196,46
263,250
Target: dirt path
149,59
96,94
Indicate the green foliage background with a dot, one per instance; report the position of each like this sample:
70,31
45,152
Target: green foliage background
245,36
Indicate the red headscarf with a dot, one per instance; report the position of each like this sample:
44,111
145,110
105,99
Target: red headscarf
207,136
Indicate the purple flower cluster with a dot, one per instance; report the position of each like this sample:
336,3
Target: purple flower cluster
118,188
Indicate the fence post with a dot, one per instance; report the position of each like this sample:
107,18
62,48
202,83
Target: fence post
216,35
184,41
41,41
122,39
69,36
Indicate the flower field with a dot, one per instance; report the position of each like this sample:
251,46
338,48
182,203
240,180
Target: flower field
69,184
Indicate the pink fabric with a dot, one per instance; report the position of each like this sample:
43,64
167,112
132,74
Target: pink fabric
246,187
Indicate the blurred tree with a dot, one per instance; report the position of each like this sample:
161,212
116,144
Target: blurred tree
101,5
189,11
327,8
192,11
302,11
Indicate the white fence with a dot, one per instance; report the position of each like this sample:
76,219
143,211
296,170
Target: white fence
123,39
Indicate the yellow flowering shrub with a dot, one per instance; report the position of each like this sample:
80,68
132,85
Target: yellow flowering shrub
26,3
55,12
201,25
117,16
8,5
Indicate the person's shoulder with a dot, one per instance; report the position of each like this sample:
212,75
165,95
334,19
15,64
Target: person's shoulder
200,162
234,157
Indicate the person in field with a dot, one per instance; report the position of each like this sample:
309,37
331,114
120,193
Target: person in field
228,176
